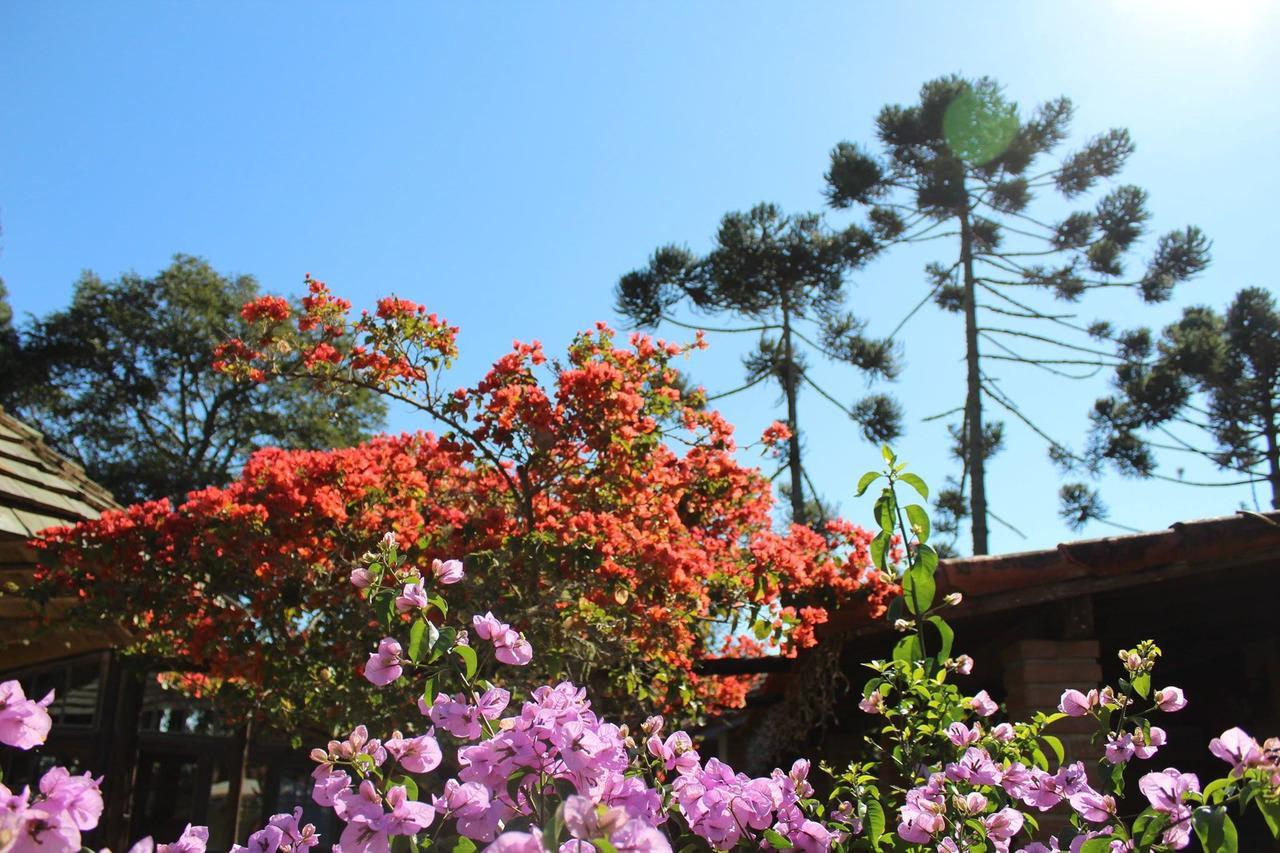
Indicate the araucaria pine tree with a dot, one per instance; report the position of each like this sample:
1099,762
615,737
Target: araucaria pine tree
1209,386
785,275
965,163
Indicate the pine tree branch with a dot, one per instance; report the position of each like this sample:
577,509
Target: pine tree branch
992,515
765,328
1048,360
1013,409
820,390
1019,357
754,382
941,415
1053,341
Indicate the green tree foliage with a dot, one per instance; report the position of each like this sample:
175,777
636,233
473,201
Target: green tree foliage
8,340
122,381
964,165
785,275
1208,386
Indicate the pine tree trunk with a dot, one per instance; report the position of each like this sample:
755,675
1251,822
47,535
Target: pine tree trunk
789,381
1273,457
973,440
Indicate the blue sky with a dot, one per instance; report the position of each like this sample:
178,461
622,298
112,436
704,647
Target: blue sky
505,163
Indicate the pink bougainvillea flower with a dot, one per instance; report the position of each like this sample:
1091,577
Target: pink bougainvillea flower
1077,704
983,705
1238,749
1092,806
455,715
447,571
407,817
873,703
77,797
194,839
1003,826
1145,747
24,723
413,597
384,664
962,735
1119,748
1170,699
416,754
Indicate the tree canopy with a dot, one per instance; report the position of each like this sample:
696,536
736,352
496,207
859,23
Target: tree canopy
1208,386
786,275
964,164
122,380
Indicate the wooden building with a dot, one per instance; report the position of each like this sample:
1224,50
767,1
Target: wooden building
167,760
1036,623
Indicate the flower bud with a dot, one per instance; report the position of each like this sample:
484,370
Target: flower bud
388,540
903,625
953,598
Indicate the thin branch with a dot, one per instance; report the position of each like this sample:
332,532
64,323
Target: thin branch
991,514
766,328
942,415
1024,360
1043,339
751,384
818,388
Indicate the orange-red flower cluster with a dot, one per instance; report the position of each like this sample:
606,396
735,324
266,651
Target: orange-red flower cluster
615,547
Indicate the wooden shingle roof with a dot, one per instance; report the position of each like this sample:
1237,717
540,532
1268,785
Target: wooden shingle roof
39,487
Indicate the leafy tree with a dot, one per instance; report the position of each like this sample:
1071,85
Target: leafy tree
966,165
621,553
9,346
785,274
1208,386
122,380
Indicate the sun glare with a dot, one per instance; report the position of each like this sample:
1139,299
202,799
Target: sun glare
1236,20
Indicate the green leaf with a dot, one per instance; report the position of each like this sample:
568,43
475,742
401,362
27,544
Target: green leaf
875,822
416,633
1096,845
919,521
880,547
918,588
885,510
1055,744
1214,791
438,603
777,839
945,635
895,610
464,845
889,456
429,692
761,629
916,483
384,604
1271,814
908,649
468,656
1142,684
927,557
410,786
865,482
1215,830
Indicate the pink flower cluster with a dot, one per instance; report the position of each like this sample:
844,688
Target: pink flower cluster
509,646
53,818
24,722
726,808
